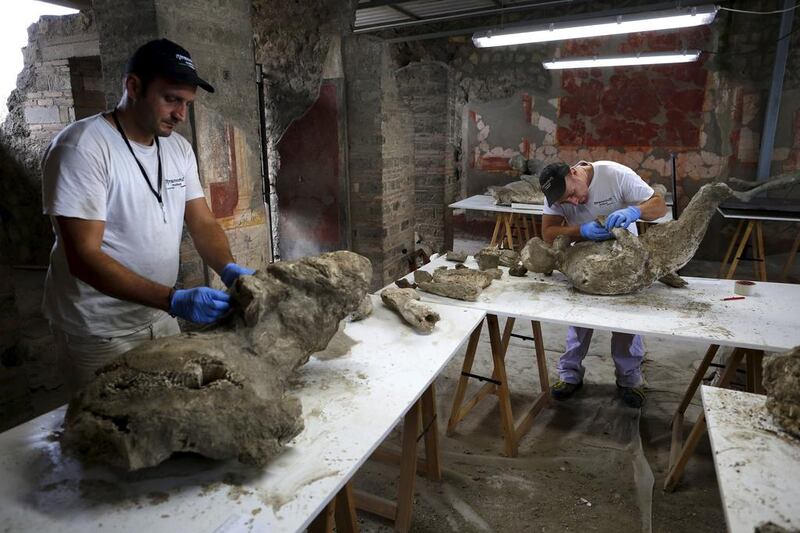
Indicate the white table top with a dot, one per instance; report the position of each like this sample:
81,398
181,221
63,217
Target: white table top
350,404
754,215
769,320
758,466
485,202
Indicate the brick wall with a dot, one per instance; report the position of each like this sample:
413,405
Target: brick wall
86,81
425,90
397,131
363,73
380,161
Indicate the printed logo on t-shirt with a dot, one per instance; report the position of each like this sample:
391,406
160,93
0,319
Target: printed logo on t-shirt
604,202
176,183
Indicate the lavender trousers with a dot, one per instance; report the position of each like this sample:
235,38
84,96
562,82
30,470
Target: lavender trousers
627,350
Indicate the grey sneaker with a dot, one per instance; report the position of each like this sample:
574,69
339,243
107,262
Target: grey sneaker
632,396
563,390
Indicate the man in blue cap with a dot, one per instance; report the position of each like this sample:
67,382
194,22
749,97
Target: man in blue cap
119,187
575,197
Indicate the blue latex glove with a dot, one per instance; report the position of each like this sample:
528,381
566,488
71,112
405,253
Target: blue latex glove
201,305
233,271
622,218
592,231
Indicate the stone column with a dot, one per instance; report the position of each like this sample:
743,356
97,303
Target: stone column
380,147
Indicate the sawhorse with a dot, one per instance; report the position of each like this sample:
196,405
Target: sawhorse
680,453
497,384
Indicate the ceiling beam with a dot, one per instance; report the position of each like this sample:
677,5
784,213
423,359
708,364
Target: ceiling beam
460,14
73,4
381,3
405,12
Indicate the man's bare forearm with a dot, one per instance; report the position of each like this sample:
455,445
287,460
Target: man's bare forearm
110,277
212,245
209,238
653,208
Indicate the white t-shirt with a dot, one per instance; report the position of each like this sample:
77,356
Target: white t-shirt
613,187
89,173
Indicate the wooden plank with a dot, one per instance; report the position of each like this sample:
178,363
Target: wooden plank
676,442
408,470
508,329
742,243
787,267
697,378
433,470
345,512
730,247
526,422
324,521
485,390
376,505
388,455
503,394
509,237
541,358
757,357
762,255
750,377
461,387
676,472
497,223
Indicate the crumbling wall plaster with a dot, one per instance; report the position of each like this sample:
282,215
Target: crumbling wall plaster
293,42
42,104
56,84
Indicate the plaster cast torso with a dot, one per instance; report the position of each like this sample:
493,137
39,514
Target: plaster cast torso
628,263
220,392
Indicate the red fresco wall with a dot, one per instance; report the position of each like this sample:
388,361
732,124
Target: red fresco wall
645,107
308,180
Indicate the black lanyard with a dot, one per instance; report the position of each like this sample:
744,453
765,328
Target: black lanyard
156,192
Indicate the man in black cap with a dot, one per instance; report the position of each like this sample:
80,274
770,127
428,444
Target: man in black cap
119,187
576,196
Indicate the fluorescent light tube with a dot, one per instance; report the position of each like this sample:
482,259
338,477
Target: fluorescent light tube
611,25
650,58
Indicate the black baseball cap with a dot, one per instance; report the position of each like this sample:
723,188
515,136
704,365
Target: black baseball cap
164,58
553,181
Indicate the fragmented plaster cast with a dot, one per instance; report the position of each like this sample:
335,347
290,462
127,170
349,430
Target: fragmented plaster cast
406,302
220,392
628,263
782,382
492,257
526,191
459,283
363,310
488,258
517,271
458,257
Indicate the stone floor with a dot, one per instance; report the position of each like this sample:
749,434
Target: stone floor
588,464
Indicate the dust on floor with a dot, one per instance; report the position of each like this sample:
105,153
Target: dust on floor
587,463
